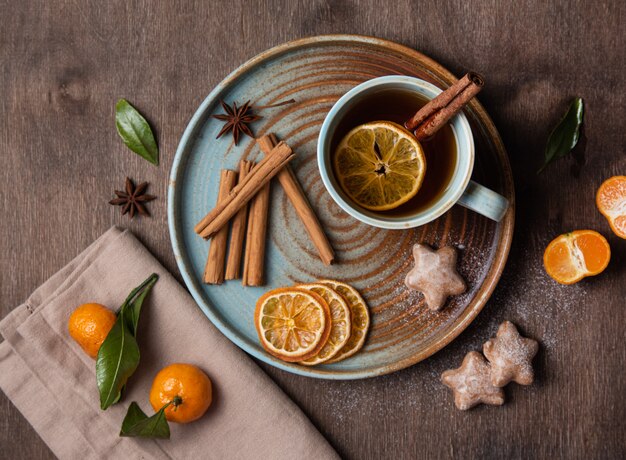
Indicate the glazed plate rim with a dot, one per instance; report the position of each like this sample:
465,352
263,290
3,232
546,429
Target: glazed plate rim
176,237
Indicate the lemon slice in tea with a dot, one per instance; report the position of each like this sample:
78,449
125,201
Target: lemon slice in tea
380,165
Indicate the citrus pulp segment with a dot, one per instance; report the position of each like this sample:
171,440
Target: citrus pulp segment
572,256
611,201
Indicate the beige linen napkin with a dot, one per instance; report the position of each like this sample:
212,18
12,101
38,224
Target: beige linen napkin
52,382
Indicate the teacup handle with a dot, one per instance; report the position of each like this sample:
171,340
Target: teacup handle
484,201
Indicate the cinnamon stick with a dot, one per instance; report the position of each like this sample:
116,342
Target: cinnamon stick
254,259
430,118
243,192
300,203
238,230
214,269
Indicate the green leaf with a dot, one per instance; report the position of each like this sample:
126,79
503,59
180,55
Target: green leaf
134,301
565,135
136,132
138,424
118,356
133,416
117,360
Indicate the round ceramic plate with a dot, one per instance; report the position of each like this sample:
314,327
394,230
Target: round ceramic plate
316,72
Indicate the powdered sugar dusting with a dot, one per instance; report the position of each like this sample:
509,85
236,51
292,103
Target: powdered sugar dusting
549,318
545,321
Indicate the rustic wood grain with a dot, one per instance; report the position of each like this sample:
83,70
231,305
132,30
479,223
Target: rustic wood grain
65,63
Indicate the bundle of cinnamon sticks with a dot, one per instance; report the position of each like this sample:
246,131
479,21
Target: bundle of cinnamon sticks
246,206
243,197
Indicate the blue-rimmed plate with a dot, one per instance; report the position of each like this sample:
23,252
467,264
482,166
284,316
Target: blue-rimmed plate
315,72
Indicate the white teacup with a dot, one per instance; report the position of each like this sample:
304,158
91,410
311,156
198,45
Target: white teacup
460,190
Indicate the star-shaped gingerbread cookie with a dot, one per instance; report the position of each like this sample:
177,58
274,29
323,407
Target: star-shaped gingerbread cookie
510,356
471,383
435,275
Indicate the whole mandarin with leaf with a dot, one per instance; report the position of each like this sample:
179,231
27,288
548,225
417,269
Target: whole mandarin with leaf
89,325
186,389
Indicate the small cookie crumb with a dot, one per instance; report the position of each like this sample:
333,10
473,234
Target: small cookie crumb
435,275
471,383
510,355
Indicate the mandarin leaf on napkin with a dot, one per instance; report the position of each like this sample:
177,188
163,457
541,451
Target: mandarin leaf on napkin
138,424
134,301
118,356
117,360
133,416
565,135
136,132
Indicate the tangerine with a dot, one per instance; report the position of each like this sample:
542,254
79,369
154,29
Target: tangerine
611,201
572,256
89,325
185,388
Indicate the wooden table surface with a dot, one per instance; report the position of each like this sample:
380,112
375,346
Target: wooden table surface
65,63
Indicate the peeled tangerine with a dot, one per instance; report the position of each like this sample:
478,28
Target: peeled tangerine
572,256
611,201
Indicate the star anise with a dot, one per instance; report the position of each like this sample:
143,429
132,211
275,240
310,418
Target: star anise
132,200
237,120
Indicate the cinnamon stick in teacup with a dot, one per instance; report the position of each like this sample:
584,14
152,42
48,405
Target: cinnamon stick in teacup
214,270
245,191
300,203
430,118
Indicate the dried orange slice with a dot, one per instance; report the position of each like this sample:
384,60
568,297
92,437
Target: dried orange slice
380,165
340,323
572,256
293,324
611,201
360,319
